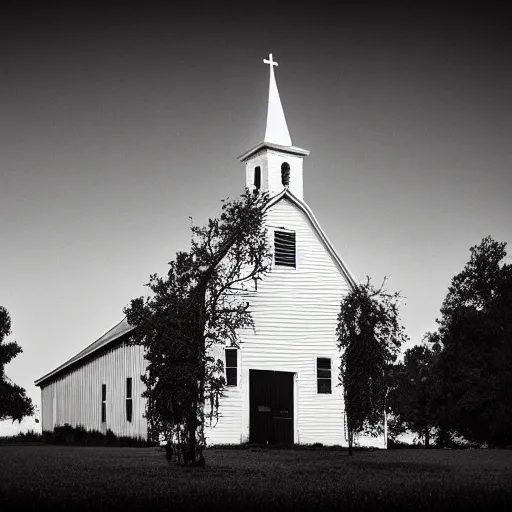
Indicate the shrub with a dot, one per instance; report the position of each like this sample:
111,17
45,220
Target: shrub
23,437
95,438
48,436
63,434
30,437
79,435
111,438
134,441
393,444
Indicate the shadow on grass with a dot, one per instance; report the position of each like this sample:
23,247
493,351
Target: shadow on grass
297,447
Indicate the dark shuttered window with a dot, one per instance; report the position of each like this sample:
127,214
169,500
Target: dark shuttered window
103,403
231,366
129,402
284,248
323,374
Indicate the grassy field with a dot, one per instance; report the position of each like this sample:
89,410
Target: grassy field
41,477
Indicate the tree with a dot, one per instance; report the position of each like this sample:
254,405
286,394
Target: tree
196,309
14,404
412,384
369,335
474,367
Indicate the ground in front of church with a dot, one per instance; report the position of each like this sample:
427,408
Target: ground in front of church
41,477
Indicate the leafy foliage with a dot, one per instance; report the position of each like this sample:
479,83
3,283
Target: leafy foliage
411,388
14,404
369,335
79,435
395,427
195,309
30,436
474,368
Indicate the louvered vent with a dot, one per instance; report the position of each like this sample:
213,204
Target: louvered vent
284,245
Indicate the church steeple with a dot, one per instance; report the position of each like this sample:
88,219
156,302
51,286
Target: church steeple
274,164
277,130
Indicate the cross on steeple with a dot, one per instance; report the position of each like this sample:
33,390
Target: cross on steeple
270,61
277,130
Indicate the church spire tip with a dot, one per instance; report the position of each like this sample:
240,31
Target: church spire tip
277,130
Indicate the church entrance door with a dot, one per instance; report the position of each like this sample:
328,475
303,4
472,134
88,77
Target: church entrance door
271,407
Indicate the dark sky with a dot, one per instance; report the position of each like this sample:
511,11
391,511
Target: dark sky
118,122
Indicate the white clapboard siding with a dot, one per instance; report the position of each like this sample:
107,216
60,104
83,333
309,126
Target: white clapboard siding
295,314
75,397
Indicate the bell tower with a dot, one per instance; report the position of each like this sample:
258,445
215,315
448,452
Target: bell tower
275,164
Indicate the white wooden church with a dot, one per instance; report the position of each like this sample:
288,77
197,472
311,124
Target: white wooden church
283,381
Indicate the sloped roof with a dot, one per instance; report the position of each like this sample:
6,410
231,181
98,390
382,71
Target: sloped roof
351,279
115,333
292,150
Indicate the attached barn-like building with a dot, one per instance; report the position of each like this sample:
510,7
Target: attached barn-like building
283,381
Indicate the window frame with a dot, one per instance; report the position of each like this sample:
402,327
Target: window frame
103,403
320,390
129,399
234,369
257,178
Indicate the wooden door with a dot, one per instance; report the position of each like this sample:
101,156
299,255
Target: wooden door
271,407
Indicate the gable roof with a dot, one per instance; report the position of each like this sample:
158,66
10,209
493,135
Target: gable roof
123,327
301,205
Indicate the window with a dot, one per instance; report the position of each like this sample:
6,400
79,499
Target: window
257,178
323,374
103,403
129,403
284,248
285,174
231,366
